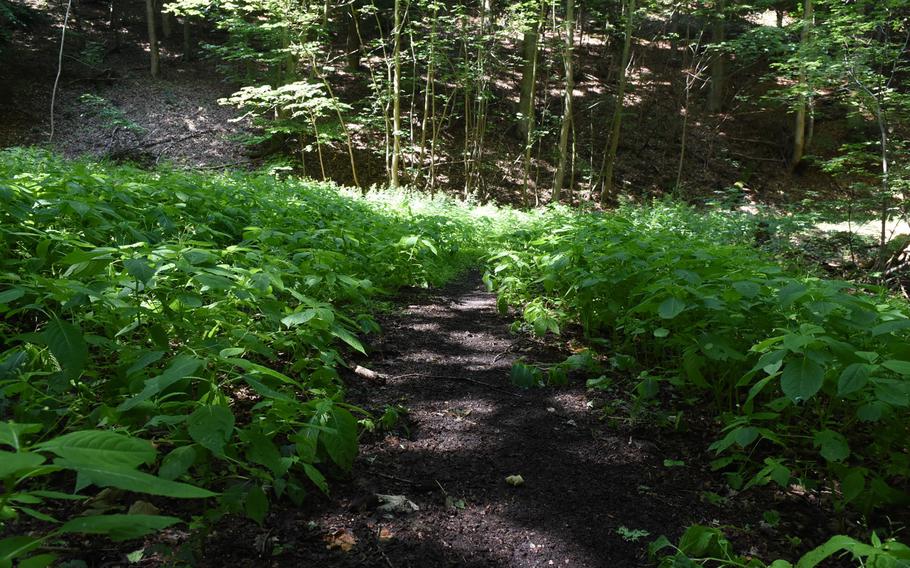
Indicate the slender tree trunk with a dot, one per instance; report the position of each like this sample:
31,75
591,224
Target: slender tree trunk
344,127
352,44
114,22
166,20
377,87
396,96
529,74
606,176
428,91
187,40
567,116
885,185
718,65
532,84
150,13
801,128
318,145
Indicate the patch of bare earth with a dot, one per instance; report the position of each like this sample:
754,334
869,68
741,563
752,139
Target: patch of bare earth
446,356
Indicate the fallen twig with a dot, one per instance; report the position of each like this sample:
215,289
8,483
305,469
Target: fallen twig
394,478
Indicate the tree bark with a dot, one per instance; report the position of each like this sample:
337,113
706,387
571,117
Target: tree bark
529,75
606,170
166,27
352,42
567,115
153,36
187,40
396,97
718,72
801,128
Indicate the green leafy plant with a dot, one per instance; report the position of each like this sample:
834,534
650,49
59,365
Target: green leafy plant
631,535
707,546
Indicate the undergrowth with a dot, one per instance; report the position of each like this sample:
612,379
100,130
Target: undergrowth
179,335
807,377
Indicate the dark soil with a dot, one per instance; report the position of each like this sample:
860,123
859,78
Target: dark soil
107,104
446,356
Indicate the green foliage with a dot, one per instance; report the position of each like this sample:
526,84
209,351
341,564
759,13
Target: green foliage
809,376
205,313
707,546
102,458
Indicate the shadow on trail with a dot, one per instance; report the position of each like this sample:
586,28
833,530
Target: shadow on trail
582,481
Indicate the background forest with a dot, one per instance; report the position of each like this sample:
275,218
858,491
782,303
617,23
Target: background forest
693,216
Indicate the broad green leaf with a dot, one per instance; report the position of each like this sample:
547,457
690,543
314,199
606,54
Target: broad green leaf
213,282
256,504
745,436
181,367
316,477
211,425
130,480
177,462
834,545
872,411
899,367
852,485
15,546
670,308
67,344
894,392
747,289
256,367
262,450
833,446
802,378
10,295
852,379
347,337
265,390
891,326
792,292
38,561
101,447
17,463
147,359
139,269
524,376
299,318
340,437
118,527
11,433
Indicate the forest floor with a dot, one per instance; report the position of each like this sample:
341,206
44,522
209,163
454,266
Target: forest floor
596,490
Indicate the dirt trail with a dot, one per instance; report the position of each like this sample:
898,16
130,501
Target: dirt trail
469,428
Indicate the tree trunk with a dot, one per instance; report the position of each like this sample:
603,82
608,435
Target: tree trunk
801,128
153,35
716,96
187,41
429,92
567,116
166,27
607,165
352,43
396,96
529,74
532,83
114,23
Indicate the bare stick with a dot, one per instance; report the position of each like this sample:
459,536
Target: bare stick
66,19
